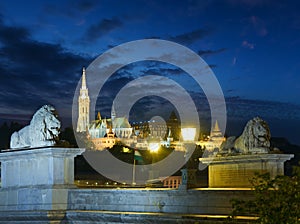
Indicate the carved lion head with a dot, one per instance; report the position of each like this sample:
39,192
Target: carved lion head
45,122
52,124
259,133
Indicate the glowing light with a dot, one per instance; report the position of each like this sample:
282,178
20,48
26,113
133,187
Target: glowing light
188,134
154,146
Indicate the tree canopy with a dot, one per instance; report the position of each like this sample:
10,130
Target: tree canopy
275,200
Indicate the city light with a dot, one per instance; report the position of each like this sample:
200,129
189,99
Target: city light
154,146
188,134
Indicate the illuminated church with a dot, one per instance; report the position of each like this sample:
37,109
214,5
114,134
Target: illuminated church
118,125
103,132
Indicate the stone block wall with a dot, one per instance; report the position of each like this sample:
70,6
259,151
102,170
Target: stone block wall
203,201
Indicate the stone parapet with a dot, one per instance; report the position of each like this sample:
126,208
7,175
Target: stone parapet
40,166
193,201
235,171
91,217
37,179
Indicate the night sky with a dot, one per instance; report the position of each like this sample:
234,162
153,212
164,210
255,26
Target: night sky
252,47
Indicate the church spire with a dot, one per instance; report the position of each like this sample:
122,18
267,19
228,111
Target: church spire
216,128
83,106
216,131
113,112
98,116
83,84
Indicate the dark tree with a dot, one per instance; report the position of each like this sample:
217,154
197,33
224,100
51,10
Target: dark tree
68,135
5,133
276,200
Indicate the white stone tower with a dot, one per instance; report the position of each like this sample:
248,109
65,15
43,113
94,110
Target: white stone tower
113,112
83,106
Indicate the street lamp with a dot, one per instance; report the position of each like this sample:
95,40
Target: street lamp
153,148
188,176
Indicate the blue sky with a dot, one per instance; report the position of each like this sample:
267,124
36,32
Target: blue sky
252,47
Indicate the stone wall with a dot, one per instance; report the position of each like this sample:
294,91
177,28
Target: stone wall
203,201
91,217
37,187
236,171
121,206
37,179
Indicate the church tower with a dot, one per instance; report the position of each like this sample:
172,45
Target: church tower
83,106
113,112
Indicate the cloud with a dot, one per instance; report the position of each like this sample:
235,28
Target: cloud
34,73
258,25
210,52
85,5
212,65
234,61
230,90
102,28
12,35
191,37
250,3
71,9
248,45
240,108
194,6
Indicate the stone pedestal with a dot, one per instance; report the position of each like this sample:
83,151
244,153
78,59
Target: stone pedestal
37,178
188,179
235,171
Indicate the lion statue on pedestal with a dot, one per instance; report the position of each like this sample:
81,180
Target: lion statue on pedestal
42,131
254,139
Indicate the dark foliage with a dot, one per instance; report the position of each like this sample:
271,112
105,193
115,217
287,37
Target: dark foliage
276,200
6,131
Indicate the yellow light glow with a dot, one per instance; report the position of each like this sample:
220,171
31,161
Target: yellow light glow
153,146
188,134
126,150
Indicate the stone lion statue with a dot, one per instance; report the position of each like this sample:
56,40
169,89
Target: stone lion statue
254,139
43,130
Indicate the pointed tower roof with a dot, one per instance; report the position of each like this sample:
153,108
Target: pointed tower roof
113,112
216,131
99,116
216,128
83,84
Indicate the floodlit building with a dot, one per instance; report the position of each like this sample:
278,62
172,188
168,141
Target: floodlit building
172,182
215,139
119,125
103,132
106,132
